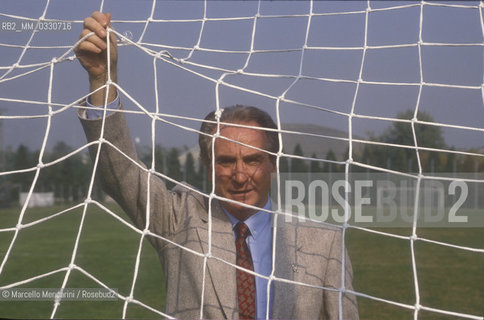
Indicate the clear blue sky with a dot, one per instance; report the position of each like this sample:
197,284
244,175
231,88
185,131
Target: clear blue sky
186,94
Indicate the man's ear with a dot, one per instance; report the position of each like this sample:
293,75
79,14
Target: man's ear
274,165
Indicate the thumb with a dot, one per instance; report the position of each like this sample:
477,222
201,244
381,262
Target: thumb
108,16
113,38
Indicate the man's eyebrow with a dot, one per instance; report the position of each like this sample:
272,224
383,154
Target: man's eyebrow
224,157
254,156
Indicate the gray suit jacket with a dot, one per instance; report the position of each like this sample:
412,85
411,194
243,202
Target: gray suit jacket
307,254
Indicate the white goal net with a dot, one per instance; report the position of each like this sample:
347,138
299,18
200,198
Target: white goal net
368,87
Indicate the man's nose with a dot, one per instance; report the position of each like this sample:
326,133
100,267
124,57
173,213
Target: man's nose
240,177
240,174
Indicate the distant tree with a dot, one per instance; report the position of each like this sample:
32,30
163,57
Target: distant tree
449,163
426,136
189,171
69,179
23,158
401,134
173,165
469,163
12,184
283,164
147,154
62,176
329,166
298,165
82,176
203,180
144,155
159,155
315,166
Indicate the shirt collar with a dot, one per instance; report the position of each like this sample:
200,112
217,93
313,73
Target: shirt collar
256,222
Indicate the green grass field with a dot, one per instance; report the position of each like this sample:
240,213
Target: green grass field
448,278
107,250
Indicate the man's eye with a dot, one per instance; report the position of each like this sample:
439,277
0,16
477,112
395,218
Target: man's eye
254,162
224,162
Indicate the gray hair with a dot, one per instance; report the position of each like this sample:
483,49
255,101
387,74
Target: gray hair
237,114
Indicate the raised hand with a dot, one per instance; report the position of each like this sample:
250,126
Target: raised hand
92,54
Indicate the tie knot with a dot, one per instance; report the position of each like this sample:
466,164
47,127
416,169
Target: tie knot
241,230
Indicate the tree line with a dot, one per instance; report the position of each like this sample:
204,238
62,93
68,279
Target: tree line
434,155
70,178
394,149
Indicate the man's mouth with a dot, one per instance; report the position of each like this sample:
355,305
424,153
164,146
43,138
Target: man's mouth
240,192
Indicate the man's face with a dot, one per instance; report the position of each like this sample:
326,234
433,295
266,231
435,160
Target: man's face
242,173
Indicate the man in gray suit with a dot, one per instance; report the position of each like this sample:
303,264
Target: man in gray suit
294,269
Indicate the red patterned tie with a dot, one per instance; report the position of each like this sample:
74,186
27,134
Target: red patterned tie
245,281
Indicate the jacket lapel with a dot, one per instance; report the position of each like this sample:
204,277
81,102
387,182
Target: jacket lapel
221,275
285,268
